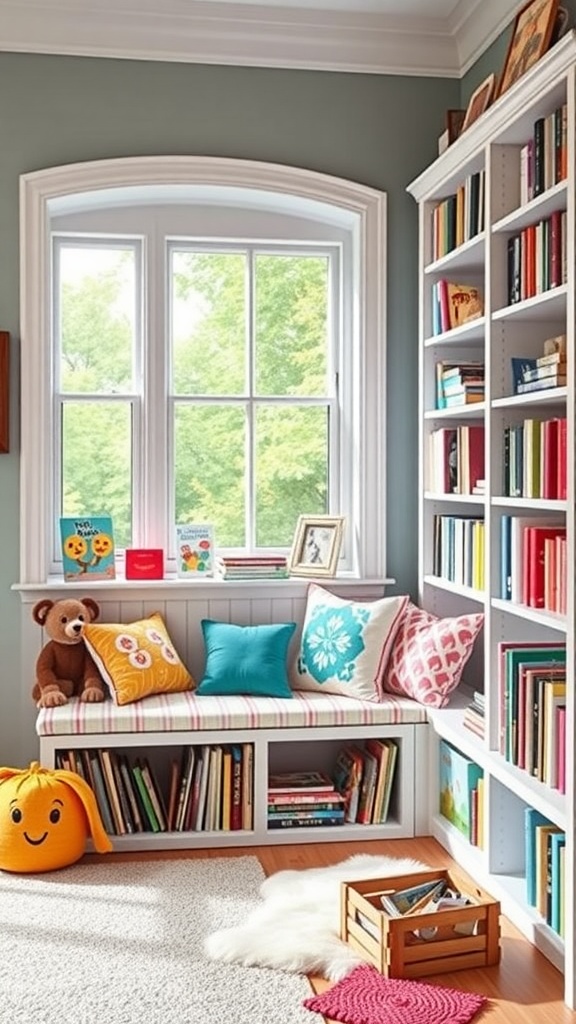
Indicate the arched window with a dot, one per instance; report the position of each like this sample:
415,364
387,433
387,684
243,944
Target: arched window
203,340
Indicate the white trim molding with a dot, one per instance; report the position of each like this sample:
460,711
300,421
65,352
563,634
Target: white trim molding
257,35
44,193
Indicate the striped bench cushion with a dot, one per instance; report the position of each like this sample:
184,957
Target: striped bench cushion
182,712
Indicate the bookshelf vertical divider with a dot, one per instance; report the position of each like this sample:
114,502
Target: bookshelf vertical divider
509,216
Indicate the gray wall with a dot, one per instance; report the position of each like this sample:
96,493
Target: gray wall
378,130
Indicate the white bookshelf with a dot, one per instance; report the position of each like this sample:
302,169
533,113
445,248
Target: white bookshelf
493,144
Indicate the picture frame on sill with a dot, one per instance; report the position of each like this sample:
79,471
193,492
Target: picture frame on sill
4,392
531,36
479,101
316,546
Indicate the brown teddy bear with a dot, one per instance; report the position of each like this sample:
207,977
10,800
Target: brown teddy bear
64,667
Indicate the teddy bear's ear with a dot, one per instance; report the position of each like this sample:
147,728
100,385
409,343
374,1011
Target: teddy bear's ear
40,611
92,606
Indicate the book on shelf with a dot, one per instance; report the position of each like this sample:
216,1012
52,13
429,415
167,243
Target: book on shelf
247,786
553,381
297,799
310,815
382,750
153,824
309,822
512,654
557,844
457,303
194,549
348,778
458,778
88,551
288,782
112,792
543,372
99,787
543,833
520,366
236,809
532,820
367,788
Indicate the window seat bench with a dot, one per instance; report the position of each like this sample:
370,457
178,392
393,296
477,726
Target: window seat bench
302,733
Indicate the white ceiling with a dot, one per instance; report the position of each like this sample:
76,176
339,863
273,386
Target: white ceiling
439,38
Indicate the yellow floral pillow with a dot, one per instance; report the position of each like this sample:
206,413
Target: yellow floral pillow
136,659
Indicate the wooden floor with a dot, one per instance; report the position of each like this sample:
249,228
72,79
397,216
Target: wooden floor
523,988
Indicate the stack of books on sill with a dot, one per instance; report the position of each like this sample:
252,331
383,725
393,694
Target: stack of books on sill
306,799
252,567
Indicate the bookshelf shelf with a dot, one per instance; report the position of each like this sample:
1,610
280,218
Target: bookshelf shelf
540,207
532,215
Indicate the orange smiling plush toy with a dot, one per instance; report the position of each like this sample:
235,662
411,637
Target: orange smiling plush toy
45,819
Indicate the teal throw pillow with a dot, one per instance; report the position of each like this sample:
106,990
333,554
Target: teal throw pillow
246,659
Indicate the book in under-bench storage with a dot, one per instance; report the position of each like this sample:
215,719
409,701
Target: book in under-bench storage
87,547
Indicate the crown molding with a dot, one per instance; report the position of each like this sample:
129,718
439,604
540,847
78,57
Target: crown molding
254,35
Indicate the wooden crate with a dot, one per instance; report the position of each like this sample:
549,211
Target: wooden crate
463,938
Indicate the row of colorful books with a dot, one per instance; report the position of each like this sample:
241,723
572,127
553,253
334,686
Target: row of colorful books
365,776
454,304
537,258
533,562
545,846
459,216
209,789
456,460
358,791
458,550
252,567
544,158
535,459
462,793
532,709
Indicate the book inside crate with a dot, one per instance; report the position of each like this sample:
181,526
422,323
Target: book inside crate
454,924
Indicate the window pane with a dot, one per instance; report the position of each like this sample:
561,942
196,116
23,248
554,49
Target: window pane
208,323
291,470
96,463
291,325
209,451
97,319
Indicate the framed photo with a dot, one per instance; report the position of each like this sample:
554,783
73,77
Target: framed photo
531,36
479,101
316,546
4,390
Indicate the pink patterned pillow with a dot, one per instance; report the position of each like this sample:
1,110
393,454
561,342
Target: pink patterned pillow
429,654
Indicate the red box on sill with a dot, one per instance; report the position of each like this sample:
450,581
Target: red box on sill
144,564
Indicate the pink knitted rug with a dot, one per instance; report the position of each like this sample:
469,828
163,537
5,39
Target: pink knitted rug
366,997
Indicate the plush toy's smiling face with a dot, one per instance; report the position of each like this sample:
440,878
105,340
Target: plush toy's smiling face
42,824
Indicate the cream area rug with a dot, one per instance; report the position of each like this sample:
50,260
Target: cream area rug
296,925
122,943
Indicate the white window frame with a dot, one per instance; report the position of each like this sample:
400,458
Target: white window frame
44,194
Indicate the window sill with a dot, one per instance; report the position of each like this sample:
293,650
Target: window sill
172,587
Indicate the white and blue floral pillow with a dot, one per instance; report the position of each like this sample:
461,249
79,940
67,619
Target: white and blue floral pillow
345,644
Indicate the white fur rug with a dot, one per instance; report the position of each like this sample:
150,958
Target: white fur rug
296,927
